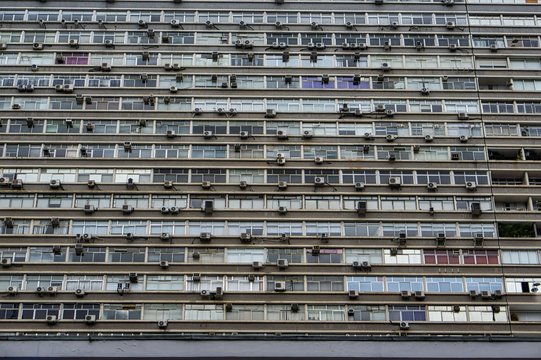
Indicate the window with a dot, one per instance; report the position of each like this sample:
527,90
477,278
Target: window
170,254
368,312
403,256
284,313
324,256
403,283
325,283
39,311
248,256
159,312
80,311
487,313
84,282
365,283
373,256
292,255
122,312
246,313
196,312
483,284
244,283
446,314
165,283
326,312
9,311
520,257
444,284
293,283
407,313
441,257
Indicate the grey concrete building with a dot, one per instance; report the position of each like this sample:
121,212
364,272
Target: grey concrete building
263,168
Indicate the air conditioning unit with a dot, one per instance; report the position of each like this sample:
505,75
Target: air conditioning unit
404,325
476,208
80,293
395,182
174,210
37,46
280,286
6,262
319,160
51,319
280,161
282,210
16,107
171,134
361,207
164,264
353,294
162,324
208,207
257,265
453,47
270,113
105,67
245,237
243,185
282,185
432,186
165,236
90,319
463,139
208,134
319,180
282,263
440,239
133,277
385,66
359,186
470,185
455,156
405,294
485,294
218,294
473,293
52,290
281,134
205,236
206,185
419,295
12,290
165,210
463,116
493,47
391,137
55,184
4,181
127,209
307,134
368,136
450,25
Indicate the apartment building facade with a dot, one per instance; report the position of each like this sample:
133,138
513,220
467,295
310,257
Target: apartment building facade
270,167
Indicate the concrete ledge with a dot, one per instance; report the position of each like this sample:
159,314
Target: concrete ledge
272,348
